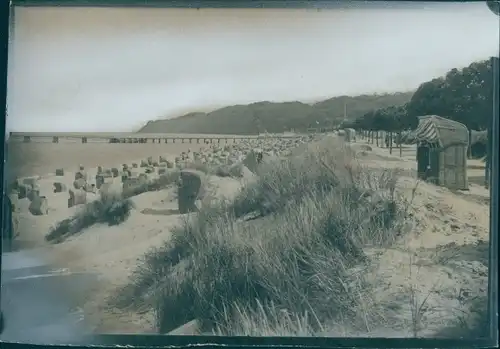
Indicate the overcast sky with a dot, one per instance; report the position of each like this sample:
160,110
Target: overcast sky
81,69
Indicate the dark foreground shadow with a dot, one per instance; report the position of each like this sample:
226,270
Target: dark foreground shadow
476,324
39,304
18,244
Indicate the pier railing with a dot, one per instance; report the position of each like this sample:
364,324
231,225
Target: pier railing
139,138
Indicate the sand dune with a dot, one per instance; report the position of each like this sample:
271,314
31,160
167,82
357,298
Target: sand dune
447,222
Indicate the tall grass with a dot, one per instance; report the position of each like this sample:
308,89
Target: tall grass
107,209
318,210
162,182
112,208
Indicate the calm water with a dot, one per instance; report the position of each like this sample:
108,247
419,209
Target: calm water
40,158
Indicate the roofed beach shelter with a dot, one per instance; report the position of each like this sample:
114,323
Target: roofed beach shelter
442,146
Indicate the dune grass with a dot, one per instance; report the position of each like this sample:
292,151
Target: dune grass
232,171
220,170
112,208
290,272
162,182
115,208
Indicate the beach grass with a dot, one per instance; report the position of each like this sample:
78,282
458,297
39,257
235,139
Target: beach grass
279,258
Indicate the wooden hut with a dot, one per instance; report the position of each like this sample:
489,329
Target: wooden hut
442,151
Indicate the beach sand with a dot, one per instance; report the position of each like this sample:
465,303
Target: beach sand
459,219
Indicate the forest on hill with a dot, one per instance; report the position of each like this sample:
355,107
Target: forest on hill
276,117
464,95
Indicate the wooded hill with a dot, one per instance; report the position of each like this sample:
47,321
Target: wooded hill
464,95
276,117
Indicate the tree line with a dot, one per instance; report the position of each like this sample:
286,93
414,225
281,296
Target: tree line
464,95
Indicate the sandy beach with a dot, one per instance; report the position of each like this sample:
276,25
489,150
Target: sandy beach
112,253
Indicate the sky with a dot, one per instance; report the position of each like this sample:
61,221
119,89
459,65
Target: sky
113,69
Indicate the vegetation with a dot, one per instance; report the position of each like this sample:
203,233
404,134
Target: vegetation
114,208
464,95
276,117
164,181
234,171
288,272
111,209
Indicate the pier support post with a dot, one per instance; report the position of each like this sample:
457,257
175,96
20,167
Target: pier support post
55,139
84,139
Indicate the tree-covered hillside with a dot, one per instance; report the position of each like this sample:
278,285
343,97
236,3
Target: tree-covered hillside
275,117
464,95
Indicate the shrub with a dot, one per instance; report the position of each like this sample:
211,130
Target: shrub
111,209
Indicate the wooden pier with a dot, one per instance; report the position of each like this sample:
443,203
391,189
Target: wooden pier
139,138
